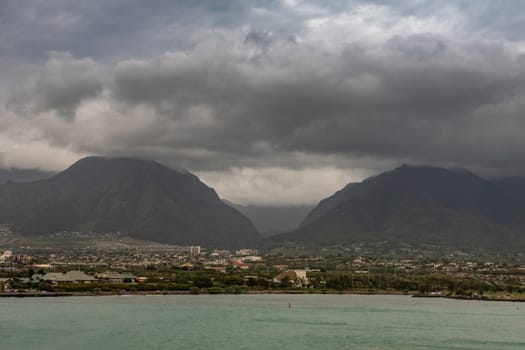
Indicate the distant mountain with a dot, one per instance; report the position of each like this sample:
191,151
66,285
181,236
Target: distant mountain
272,220
140,199
514,191
420,205
23,175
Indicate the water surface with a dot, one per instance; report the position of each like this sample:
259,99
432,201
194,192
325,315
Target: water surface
259,322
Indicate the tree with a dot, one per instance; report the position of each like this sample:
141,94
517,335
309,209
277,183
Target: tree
202,281
285,282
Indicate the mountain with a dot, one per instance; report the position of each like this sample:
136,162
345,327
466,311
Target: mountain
413,204
141,199
272,220
22,175
514,190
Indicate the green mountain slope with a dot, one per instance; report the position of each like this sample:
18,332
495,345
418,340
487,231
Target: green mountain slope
418,205
140,199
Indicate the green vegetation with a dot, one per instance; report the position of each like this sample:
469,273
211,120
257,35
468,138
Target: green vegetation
261,280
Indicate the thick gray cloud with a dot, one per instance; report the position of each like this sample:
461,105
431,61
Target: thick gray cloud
60,85
262,98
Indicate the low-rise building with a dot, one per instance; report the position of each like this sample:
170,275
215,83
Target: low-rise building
116,277
195,250
245,252
296,278
68,277
251,258
4,284
239,264
6,256
280,266
187,266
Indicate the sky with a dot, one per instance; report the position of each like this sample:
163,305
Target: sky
269,102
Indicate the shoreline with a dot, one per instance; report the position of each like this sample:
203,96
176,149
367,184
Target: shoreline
473,298
251,292
290,292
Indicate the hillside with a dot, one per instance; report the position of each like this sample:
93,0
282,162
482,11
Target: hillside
141,199
419,205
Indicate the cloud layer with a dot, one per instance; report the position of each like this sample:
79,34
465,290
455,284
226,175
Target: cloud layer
268,101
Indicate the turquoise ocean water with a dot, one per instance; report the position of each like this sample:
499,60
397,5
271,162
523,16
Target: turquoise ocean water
259,322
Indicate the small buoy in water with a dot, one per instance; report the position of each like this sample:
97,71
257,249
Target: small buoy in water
289,305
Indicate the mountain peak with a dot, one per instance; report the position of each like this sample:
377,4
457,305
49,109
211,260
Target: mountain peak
419,204
100,162
120,163
433,168
139,198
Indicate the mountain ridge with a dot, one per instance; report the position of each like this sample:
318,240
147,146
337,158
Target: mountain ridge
140,198
418,204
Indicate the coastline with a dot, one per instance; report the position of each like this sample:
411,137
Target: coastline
474,298
291,292
145,293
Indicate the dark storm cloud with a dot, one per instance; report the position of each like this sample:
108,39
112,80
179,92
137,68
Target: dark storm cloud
116,29
63,83
420,97
239,90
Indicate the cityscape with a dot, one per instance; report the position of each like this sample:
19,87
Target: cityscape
195,269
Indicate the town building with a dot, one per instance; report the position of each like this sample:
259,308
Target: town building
67,277
195,250
245,252
116,277
6,256
251,258
296,278
4,284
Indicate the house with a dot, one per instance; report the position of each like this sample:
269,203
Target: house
187,266
6,256
52,277
116,277
4,284
239,264
68,277
42,266
296,278
195,250
245,252
251,258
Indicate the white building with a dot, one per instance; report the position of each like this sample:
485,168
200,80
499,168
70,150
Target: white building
251,258
5,256
245,252
195,250
295,277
